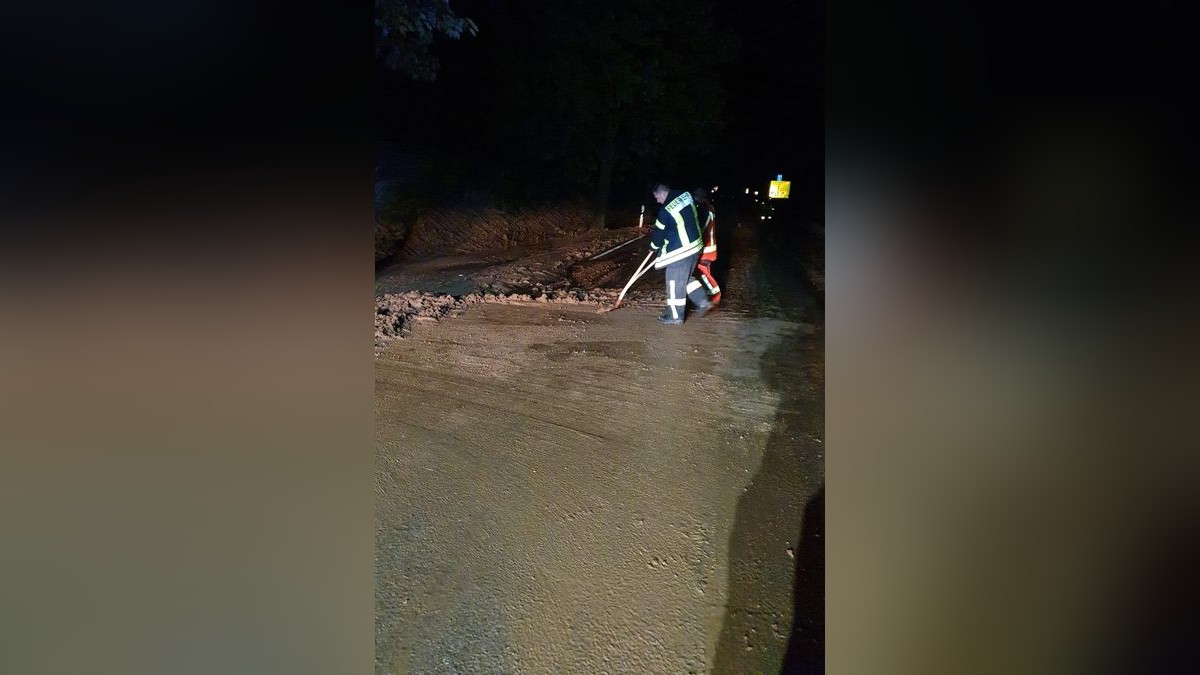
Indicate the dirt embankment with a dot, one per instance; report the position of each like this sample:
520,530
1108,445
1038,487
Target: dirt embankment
471,231
456,231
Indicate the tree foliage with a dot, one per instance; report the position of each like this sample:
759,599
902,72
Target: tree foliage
405,30
618,83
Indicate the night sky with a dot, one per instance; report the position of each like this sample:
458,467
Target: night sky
772,120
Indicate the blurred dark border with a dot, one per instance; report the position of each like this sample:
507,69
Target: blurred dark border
1008,187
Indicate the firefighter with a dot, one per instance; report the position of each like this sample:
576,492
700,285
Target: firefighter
707,219
676,238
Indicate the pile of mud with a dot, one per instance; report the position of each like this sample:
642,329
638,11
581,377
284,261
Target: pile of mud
610,272
464,231
397,313
564,275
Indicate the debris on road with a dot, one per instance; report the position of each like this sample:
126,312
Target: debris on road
566,271
396,313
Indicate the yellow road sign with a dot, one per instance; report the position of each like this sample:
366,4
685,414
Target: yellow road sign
780,189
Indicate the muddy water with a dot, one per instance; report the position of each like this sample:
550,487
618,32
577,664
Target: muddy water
566,491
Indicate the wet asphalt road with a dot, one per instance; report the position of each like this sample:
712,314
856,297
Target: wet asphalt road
565,491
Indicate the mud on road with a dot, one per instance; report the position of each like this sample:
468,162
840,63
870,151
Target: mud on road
583,269
563,490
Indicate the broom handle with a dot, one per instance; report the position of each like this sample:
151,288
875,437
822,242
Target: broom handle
642,269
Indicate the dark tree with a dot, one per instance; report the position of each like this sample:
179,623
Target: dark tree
405,29
600,86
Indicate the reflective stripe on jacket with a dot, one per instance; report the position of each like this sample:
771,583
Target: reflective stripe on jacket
676,233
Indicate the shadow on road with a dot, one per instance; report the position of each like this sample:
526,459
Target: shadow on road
766,555
774,610
806,645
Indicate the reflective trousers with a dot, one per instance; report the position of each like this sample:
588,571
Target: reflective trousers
681,285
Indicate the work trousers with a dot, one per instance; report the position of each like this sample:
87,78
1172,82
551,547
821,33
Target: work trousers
681,285
704,271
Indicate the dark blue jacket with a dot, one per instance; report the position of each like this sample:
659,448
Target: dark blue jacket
676,234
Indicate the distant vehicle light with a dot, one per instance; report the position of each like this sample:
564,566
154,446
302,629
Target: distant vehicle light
748,191
756,193
762,217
